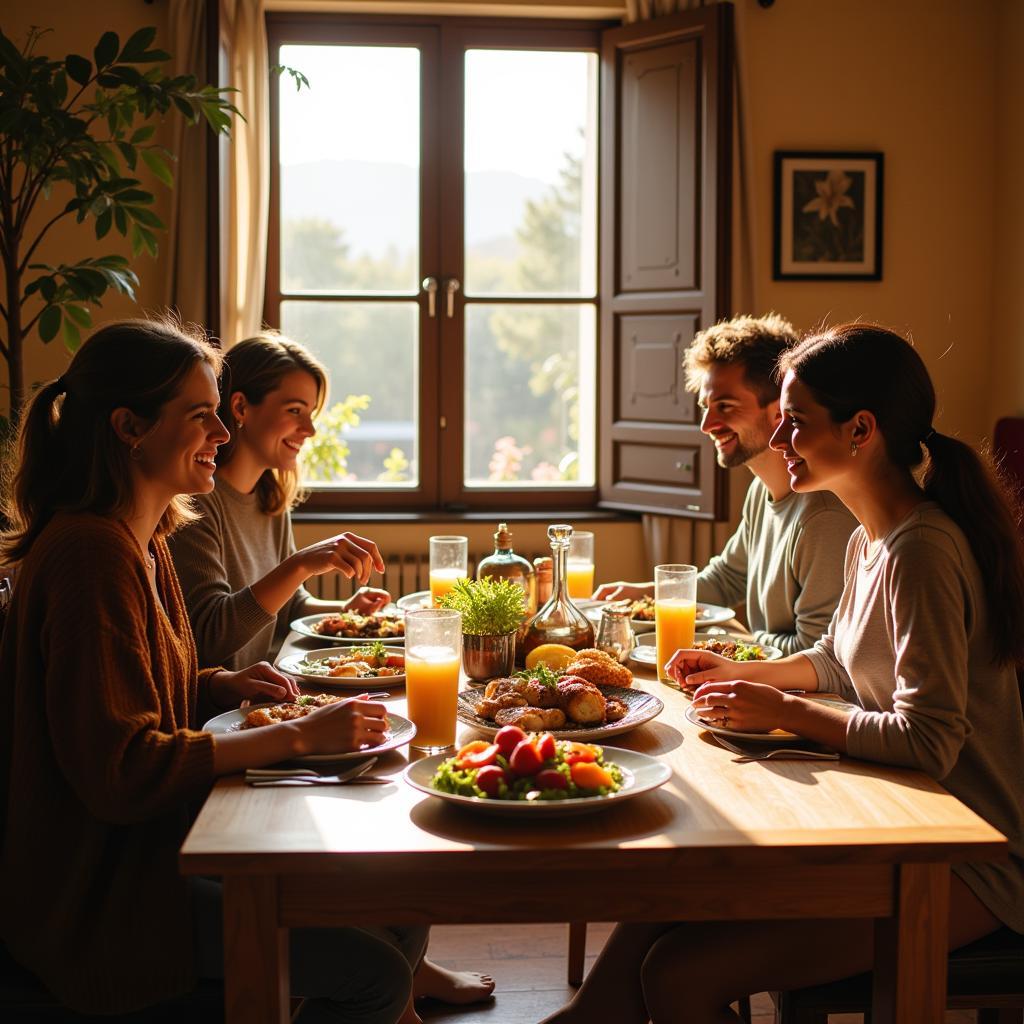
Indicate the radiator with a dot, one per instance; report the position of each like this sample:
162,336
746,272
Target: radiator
403,574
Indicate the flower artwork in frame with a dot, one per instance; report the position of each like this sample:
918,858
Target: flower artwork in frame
828,216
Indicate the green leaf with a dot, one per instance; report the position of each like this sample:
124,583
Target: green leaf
103,222
129,154
186,108
134,195
72,335
144,216
143,134
120,220
149,241
79,314
47,288
49,323
106,49
153,56
137,44
78,68
156,164
136,238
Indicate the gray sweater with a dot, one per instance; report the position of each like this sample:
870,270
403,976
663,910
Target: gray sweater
218,558
911,644
785,562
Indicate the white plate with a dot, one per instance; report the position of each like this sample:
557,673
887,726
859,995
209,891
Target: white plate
290,664
400,732
306,623
776,736
707,615
646,650
642,706
640,774
415,602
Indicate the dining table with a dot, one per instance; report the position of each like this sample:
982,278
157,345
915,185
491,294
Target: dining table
722,839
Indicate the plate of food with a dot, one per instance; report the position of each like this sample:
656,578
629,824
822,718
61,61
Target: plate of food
641,614
352,628
400,730
348,667
415,602
733,647
573,778
568,706
775,736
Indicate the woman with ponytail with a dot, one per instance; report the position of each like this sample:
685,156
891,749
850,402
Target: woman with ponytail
925,642
101,754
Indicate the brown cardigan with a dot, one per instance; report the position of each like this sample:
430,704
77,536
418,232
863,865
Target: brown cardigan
98,763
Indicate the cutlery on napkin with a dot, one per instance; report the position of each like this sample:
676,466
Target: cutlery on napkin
750,753
310,777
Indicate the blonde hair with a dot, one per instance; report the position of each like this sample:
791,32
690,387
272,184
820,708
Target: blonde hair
755,343
69,459
256,366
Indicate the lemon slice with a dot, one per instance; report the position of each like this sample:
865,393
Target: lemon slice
555,656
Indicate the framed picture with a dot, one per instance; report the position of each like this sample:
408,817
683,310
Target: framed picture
828,216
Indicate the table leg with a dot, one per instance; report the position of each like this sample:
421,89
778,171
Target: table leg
911,949
255,953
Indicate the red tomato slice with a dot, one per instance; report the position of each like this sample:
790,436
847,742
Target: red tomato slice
509,738
550,778
526,759
490,778
578,752
473,747
479,758
546,746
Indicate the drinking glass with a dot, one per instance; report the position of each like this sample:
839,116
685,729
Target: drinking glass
675,611
581,564
433,653
449,561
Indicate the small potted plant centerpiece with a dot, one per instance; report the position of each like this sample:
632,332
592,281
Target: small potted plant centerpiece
492,611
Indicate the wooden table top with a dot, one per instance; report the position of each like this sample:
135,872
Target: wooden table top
712,811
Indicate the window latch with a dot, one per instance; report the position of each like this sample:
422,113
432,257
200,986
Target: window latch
451,286
430,287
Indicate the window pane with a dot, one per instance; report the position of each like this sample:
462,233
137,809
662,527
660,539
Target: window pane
367,435
531,387
350,158
531,173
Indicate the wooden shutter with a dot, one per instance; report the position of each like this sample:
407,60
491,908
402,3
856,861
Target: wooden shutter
665,202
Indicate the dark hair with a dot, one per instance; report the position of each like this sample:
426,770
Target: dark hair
256,366
753,342
68,456
864,366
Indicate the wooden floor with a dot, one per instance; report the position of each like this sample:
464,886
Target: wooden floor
528,962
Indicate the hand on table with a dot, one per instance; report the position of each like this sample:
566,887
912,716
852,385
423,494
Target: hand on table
622,591
746,707
367,600
259,682
344,726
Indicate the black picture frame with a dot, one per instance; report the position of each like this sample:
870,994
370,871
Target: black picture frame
827,216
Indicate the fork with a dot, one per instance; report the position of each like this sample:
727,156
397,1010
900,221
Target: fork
307,776
777,753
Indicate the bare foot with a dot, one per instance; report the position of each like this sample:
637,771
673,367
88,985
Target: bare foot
437,982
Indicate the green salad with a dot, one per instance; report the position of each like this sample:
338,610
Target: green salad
527,766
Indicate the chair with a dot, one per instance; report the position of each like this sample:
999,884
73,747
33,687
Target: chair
987,976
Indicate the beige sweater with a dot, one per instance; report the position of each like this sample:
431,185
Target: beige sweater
911,644
98,766
218,558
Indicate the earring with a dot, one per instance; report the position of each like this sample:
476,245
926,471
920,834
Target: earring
853,450
238,424
135,452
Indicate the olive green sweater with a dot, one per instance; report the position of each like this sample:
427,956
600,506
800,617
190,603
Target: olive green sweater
98,764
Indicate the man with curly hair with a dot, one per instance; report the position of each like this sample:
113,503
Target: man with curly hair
785,561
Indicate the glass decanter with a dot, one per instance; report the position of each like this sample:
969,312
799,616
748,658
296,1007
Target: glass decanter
559,621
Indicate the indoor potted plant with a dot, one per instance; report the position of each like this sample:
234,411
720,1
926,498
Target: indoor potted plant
492,611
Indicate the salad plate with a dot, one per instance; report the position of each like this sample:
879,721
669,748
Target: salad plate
640,774
414,602
400,732
380,626
775,736
314,667
646,650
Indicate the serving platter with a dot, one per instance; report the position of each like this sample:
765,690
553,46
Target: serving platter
298,665
640,774
304,626
642,707
400,732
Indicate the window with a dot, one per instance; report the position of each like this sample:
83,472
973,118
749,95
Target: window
434,243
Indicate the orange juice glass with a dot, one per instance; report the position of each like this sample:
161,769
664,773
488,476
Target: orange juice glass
580,568
433,655
449,561
675,611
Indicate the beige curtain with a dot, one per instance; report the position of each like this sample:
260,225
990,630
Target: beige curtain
669,538
185,285
247,195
